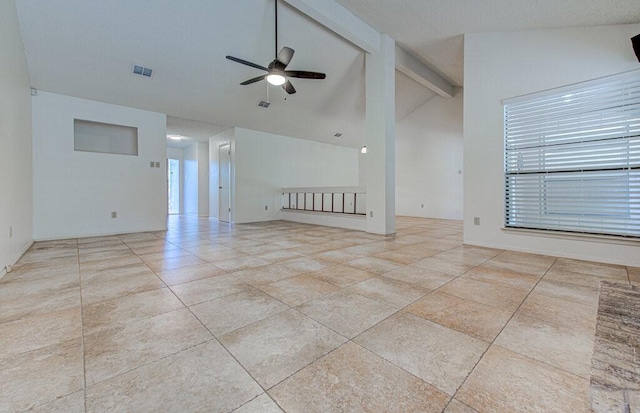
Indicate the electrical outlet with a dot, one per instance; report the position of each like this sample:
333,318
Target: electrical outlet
152,164
11,232
370,214
266,208
157,164
114,215
476,220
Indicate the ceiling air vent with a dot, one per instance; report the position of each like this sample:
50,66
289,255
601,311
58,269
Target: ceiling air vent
142,71
264,104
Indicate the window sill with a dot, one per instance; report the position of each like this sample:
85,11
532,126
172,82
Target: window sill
608,239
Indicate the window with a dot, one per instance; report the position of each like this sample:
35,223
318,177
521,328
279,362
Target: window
104,138
572,158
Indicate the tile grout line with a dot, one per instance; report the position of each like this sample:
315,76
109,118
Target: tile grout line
84,362
492,343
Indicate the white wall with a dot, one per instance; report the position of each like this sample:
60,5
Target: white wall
503,65
264,163
203,179
174,153
75,192
429,160
190,180
16,180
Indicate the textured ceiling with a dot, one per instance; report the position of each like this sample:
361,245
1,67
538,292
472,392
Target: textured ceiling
433,29
87,48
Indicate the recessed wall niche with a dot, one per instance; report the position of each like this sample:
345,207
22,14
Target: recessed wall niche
101,137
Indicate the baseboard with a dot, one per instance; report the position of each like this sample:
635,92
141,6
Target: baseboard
7,269
104,234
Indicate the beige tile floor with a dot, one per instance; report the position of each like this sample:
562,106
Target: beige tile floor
289,317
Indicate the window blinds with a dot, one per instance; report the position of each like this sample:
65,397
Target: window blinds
572,158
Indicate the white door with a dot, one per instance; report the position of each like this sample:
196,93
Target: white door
224,185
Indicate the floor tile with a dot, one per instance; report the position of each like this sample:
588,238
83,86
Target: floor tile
167,264
570,292
266,274
112,313
105,255
279,255
468,255
421,277
198,291
31,333
341,275
337,256
400,257
560,275
436,354
228,313
299,289
447,267
306,264
347,312
202,378
373,265
40,376
191,273
593,268
159,256
504,381
135,279
458,407
634,275
469,317
26,299
521,262
343,382
71,403
276,347
261,404
241,263
566,313
502,277
123,348
388,291
485,293
567,348
370,248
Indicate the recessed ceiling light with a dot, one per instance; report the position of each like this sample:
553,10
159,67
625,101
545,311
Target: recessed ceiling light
174,137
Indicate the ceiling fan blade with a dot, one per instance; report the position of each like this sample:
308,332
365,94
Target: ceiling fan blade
304,75
288,87
254,80
244,62
285,56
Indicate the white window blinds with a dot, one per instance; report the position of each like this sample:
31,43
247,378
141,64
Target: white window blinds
572,158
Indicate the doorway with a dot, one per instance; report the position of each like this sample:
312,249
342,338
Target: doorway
173,182
224,184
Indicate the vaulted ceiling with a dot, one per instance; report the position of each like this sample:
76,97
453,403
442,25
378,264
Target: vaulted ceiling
87,49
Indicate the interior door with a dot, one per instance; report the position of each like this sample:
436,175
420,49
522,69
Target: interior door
224,184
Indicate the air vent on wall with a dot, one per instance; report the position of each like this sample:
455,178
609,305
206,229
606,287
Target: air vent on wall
142,71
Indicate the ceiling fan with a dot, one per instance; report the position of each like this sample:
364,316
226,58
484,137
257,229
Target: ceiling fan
276,73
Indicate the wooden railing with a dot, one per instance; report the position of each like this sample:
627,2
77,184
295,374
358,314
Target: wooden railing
337,200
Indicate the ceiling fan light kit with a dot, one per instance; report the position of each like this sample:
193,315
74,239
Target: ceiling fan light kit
277,74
